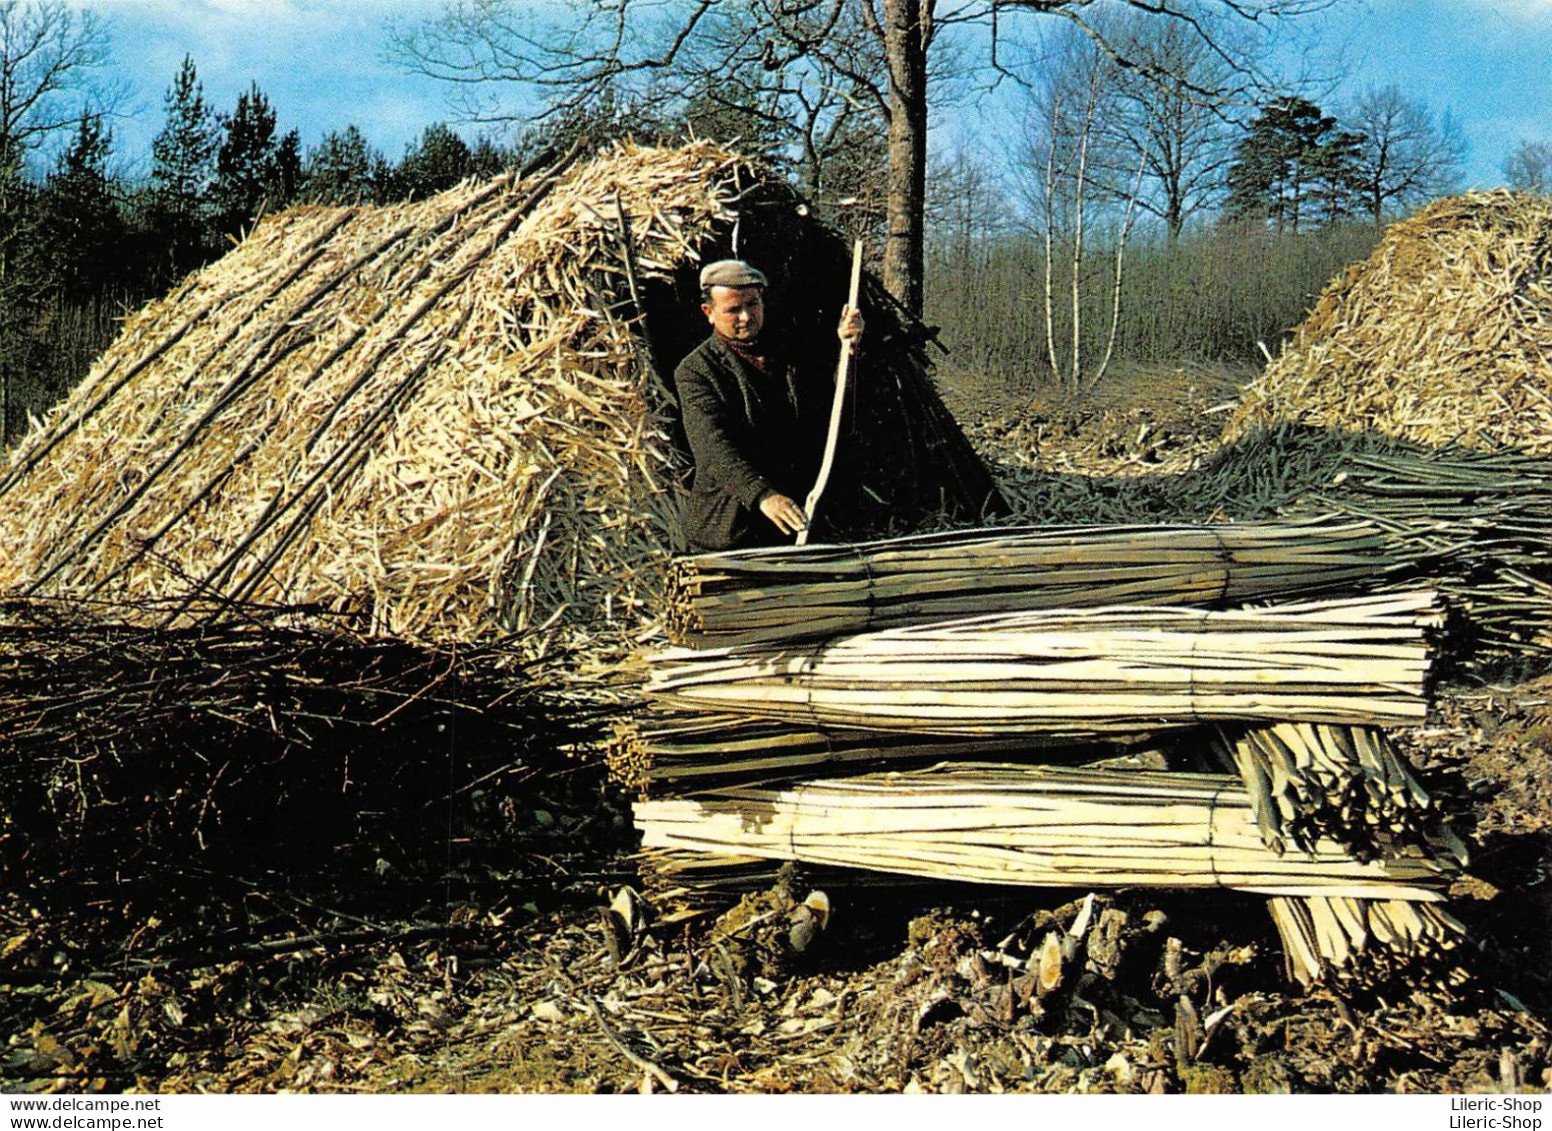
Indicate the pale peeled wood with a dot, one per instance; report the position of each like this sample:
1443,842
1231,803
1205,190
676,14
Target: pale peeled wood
788,593
1027,825
1077,673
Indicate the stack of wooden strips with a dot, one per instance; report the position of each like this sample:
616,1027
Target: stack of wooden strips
447,416
1364,941
805,592
1082,673
1478,523
1027,825
677,750
1347,783
1475,525
1444,333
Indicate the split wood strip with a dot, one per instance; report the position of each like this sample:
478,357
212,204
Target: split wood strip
1081,672
795,593
1040,826
1354,941
1307,781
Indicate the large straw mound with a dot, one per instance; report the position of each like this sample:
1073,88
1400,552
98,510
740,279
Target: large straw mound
1444,333
442,416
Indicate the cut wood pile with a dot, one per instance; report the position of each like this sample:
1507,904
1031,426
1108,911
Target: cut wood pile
449,416
1444,334
1048,745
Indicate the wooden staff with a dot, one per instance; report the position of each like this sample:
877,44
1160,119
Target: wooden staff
843,367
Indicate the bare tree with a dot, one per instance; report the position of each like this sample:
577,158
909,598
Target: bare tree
48,53
1071,142
1405,157
1177,113
1529,167
872,51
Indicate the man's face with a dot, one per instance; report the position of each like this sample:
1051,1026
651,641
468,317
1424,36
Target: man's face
736,313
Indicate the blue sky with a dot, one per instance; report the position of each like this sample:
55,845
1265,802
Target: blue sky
322,64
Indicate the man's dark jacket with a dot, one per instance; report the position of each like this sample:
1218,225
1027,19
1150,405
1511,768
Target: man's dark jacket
751,432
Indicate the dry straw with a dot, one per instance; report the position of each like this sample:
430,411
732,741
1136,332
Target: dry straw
442,416
1444,333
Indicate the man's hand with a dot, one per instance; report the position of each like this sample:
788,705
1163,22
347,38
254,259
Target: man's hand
786,514
850,329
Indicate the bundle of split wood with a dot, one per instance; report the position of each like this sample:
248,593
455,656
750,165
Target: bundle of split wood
677,750
1362,941
448,415
1444,333
1030,825
797,593
1347,783
1082,673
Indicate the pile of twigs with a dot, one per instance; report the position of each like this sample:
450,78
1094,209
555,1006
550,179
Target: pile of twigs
796,593
272,742
1048,826
1082,673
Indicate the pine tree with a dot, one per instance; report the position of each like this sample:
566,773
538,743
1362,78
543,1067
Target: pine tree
182,168
247,167
438,161
80,227
343,169
1293,166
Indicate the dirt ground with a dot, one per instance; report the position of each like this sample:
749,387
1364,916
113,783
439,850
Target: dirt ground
505,972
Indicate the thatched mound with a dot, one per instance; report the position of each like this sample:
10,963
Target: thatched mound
1444,333
447,416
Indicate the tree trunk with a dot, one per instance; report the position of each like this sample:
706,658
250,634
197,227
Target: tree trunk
907,29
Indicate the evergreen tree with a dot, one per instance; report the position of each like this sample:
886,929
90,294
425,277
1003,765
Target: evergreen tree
438,161
1294,165
343,169
486,159
182,167
286,185
247,164
20,291
80,227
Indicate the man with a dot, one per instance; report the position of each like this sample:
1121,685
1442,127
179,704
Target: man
756,422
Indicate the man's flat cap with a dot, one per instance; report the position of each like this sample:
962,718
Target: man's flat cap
731,273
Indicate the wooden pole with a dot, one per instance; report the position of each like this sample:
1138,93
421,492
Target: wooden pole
843,367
